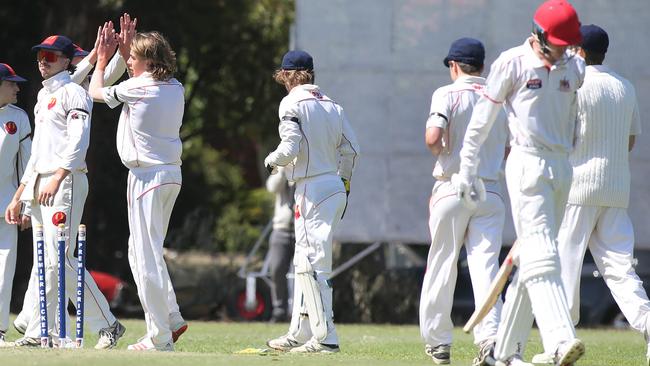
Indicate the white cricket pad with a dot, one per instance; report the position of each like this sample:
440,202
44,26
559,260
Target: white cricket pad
311,296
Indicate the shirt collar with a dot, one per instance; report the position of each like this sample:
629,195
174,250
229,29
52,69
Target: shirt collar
596,68
530,53
470,79
303,87
55,82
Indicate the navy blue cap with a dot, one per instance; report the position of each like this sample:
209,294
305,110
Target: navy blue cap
7,73
466,50
57,43
79,52
297,60
594,38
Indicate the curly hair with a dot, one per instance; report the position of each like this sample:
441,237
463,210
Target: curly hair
156,51
293,78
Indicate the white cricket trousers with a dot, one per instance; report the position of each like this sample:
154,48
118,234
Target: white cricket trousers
320,202
538,184
453,225
151,194
67,209
608,233
8,240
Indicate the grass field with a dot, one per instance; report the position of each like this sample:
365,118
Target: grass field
212,343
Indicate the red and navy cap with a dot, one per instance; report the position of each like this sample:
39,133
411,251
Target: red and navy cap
79,52
57,43
7,73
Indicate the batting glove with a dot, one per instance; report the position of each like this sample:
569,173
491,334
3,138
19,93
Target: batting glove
270,167
346,184
469,189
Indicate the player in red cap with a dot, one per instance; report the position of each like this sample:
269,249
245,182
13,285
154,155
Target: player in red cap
15,146
537,84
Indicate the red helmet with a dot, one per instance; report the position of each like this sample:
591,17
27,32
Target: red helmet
559,22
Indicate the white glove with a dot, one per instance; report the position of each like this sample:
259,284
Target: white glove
270,167
469,189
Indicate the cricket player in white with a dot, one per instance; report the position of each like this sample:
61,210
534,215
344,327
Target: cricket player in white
56,185
15,147
537,83
596,213
84,62
452,224
149,144
320,151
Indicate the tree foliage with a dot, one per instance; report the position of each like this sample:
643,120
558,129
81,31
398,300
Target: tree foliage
226,51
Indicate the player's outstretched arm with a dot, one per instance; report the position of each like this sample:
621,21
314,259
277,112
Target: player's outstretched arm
105,49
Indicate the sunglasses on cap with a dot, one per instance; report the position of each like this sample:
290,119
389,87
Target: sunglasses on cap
48,56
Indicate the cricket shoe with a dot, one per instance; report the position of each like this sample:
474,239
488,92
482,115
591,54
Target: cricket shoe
440,354
284,343
3,343
543,359
146,344
313,346
485,355
569,352
178,328
109,336
26,342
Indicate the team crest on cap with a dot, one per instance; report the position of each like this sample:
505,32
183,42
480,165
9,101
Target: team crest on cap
11,127
534,84
52,103
565,86
58,218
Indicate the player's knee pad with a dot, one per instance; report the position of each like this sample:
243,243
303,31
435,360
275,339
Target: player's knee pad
311,295
538,257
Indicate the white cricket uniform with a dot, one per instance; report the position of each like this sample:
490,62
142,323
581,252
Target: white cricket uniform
318,148
114,71
596,213
61,138
15,146
452,224
541,105
149,144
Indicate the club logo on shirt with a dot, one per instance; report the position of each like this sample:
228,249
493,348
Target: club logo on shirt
58,218
565,86
76,115
534,84
316,94
52,103
11,127
296,212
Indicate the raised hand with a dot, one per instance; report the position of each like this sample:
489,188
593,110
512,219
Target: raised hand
107,45
126,35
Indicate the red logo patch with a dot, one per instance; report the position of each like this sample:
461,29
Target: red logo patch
534,84
316,93
58,218
11,127
296,213
52,103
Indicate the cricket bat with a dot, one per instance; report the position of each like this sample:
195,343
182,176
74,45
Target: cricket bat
495,290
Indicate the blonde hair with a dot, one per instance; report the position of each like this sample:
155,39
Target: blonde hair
293,78
154,48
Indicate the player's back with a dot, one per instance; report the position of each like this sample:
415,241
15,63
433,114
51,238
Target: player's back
320,121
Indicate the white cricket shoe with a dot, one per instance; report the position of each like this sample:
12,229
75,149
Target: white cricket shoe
284,343
569,352
485,355
313,346
25,342
543,359
109,336
146,344
440,354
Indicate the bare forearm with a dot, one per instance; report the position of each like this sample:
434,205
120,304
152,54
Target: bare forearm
96,84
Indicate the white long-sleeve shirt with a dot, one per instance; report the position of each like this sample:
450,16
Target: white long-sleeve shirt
62,127
451,110
148,133
608,113
15,148
316,136
540,102
114,70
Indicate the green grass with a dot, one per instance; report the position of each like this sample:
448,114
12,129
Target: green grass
213,343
